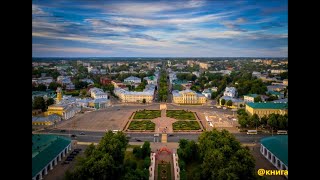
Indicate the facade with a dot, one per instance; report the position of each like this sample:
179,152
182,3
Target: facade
151,80
276,87
65,111
230,91
97,93
207,93
188,97
136,97
132,79
204,65
105,80
266,108
235,101
275,150
47,150
285,82
45,120
117,84
278,71
250,97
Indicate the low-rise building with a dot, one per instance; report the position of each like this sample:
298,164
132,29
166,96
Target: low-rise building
275,150
278,71
188,97
207,93
97,93
47,150
132,79
151,80
105,80
46,120
230,91
65,111
276,87
136,97
89,81
266,108
249,97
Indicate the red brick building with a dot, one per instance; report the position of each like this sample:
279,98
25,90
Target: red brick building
105,80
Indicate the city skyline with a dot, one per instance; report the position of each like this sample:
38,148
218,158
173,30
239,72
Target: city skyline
160,29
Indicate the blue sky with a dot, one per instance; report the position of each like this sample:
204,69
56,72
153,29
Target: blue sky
188,28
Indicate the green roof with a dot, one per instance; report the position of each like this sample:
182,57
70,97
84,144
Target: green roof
45,147
268,105
252,95
278,145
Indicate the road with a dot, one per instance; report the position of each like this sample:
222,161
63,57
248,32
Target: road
92,136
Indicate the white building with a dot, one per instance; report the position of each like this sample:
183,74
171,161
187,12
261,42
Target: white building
230,91
207,93
151,80
97,93
197,73
132,79
278,71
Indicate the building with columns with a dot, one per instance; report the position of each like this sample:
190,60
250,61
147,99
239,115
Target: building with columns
188,97
47,151
275,150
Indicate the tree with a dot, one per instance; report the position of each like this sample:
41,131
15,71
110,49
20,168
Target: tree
42,87
254,121
229,103
214,95
143,101
241,105
223,101
258,99
264,120
54,85
50,101
145,150
272,121
39,103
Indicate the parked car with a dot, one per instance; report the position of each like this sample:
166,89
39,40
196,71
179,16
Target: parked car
73,135
139,140
82,133
62,130
171,134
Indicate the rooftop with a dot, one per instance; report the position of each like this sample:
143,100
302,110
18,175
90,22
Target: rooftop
268,105
252,95
278,145
45,147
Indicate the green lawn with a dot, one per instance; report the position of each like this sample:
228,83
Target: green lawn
186,125
142,125
164,171
147,114
181,115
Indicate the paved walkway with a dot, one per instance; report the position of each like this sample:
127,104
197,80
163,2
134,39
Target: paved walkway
163,123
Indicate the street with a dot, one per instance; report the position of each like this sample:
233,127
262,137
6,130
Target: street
92,136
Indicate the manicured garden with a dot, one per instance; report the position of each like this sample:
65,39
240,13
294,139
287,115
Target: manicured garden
181,115
164,171
186,125
142,125
147,114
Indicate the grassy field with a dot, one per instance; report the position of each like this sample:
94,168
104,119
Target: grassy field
147,114
181,115
186,125
142,125
164,171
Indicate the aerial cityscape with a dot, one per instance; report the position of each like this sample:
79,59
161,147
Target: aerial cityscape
154,90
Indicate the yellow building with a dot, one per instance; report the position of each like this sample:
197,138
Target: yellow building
188,97
65,111
131,96
204,65
264,109
45,120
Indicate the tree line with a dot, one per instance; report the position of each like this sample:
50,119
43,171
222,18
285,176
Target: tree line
217,155
108,160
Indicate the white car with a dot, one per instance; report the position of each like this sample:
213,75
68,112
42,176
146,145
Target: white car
224,108
211,107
